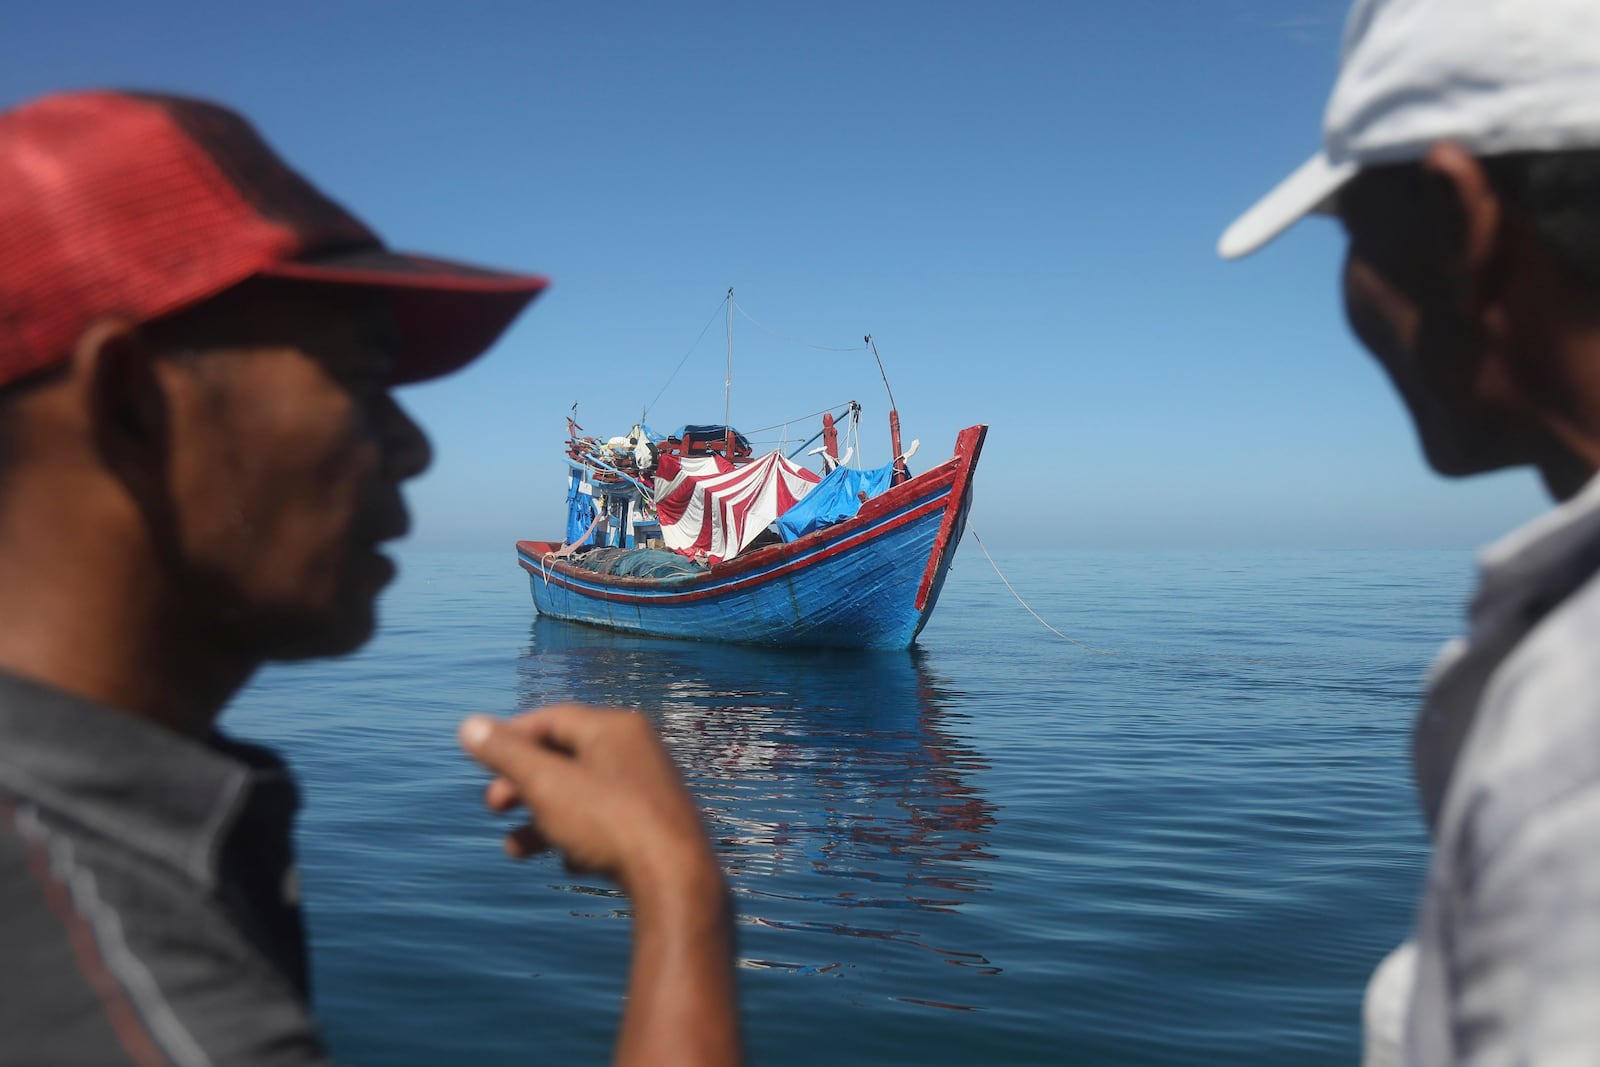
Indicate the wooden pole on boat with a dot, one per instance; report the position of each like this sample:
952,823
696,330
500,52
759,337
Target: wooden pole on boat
727,388
900,471
830,436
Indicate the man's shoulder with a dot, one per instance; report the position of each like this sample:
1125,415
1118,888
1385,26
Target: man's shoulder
107,953
56,1005
1546,693
1536,736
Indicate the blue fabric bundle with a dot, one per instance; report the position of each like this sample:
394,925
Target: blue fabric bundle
580,511
834,499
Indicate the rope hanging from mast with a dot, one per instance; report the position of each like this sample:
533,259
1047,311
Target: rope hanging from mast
645,416
836,409
874,346
791,340
728,304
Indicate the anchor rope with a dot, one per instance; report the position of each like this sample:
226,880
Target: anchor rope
1024,603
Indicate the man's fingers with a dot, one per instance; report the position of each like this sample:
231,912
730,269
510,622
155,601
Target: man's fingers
571,727
524,763
494,744
501,795
525,841
562,727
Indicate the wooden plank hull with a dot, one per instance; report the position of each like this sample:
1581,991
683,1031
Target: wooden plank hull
869,582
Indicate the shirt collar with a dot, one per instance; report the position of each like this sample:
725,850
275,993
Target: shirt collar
162,794
1522,578
1529,571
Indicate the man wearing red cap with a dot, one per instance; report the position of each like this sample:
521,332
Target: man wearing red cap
1461,151
199,461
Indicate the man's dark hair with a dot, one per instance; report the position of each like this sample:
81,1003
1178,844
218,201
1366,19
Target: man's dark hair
1560,194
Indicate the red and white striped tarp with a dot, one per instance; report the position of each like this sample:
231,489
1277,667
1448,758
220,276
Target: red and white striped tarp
709,508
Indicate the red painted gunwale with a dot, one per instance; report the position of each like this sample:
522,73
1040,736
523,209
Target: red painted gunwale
969,443
722,587
955,475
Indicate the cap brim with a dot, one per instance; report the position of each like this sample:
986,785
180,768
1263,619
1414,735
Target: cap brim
1309,189
448,314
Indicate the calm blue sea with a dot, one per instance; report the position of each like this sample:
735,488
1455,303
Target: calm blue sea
997,848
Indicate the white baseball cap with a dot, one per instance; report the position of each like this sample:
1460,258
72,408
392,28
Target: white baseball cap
1494,76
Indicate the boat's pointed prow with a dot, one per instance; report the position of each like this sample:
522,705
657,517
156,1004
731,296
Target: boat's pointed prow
969,444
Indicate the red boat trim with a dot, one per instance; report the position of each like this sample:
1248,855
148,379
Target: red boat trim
968,444
890,503
925,485
560,574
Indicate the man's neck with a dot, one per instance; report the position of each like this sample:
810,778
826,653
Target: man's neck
94,616
1565,473
1554,363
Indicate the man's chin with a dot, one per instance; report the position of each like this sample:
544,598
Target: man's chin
347,626
316,639
295,626
1452,459
304,632
1449,463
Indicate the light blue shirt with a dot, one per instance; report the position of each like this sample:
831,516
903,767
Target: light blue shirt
1507,759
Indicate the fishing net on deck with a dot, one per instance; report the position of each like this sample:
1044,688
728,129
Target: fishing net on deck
653,563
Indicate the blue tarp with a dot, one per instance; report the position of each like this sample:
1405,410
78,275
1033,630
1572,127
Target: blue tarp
580,511
834,499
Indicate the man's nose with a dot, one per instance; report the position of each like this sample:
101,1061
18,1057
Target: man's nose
407,452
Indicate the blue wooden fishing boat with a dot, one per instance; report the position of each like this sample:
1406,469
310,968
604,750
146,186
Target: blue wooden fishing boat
690,535
869,580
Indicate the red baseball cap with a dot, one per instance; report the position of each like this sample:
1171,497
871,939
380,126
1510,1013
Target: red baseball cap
141,205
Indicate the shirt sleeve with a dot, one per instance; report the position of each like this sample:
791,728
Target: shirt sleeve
1526,967
1385,1007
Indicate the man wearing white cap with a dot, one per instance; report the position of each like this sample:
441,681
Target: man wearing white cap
1461,151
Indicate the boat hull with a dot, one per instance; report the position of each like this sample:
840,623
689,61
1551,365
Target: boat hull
869,582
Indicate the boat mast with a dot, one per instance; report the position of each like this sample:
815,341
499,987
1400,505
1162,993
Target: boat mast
727,386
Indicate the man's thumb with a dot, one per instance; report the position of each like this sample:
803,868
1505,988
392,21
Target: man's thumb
487,740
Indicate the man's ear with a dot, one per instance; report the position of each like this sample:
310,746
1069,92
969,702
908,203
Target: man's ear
125,405
1466,218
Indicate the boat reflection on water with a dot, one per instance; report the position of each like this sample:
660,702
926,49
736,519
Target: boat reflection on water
838,801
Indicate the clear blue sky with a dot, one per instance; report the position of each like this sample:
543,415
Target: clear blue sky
1019,200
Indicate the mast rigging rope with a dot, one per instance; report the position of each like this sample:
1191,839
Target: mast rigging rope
703,330
791,340
797,418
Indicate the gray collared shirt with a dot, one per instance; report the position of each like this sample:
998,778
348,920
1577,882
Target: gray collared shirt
149,913
1507,759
